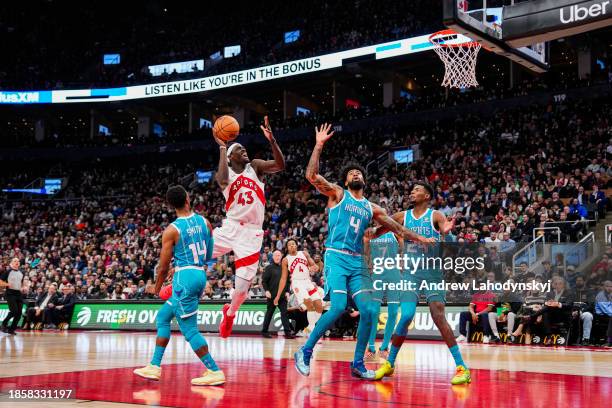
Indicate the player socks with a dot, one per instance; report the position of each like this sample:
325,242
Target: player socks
396,343
366,308
157,355
374,327
209,362
408,311
392,309
454,350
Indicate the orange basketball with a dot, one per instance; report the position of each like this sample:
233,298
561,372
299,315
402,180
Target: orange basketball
226,128
166,292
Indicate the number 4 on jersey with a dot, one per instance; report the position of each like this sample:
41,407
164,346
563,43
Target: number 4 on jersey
198,249
355,223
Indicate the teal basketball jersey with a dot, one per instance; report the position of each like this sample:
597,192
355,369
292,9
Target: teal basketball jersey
424,226
347,222
385,246
195,244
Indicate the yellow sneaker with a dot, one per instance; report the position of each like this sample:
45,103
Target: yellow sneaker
462,376
209,378
151,372
384,370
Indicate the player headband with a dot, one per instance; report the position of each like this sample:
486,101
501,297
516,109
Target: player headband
231,149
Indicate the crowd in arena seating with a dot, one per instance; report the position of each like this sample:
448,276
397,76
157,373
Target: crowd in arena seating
51,54
500,176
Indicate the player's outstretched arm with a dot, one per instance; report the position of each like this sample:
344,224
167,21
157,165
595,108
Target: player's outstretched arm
269,166
392,225
333,191
222,175
169,238
381,229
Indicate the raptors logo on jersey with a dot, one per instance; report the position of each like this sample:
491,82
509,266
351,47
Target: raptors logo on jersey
298,266
244,196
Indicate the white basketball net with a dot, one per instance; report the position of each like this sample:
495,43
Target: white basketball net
459,61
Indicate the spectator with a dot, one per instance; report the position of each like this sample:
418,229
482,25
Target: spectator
603,307
35,314
508,304
276,295
482,303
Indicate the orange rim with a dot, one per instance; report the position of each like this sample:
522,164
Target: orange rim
450,32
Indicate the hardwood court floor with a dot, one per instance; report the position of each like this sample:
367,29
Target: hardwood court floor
97,367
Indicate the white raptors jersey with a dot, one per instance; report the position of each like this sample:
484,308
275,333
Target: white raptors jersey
298,266
245,201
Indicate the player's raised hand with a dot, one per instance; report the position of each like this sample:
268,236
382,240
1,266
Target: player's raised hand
323,133
449,225
219,141
266,129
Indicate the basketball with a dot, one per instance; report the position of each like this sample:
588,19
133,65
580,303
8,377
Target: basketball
226,128
166,292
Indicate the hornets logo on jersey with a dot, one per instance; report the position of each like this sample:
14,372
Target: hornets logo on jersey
348,221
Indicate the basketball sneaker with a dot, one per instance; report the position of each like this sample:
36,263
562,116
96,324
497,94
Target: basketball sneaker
302,360
384,354
209,377
227,322
385,370
151,372
461,339
462,376
359,370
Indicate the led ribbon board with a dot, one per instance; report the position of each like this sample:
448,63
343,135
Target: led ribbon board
247,76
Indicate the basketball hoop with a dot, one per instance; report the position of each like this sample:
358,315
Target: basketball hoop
459,58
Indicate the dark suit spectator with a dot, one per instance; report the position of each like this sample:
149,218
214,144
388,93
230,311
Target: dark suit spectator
62,310
36,314
271,281
603,307
598,199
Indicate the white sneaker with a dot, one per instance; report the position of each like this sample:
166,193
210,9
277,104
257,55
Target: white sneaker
151,372
486,339
461,339
209,378
300,334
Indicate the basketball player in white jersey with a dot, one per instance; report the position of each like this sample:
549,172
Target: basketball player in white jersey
298,265
245,204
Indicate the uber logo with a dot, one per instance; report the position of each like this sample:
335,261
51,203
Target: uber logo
577,13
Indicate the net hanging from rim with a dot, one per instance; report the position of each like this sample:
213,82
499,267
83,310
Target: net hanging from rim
459,59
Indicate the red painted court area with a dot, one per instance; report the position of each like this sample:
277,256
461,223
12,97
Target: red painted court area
274,383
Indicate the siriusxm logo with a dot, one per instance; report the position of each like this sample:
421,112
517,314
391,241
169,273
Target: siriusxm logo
19,97
576,13
84,316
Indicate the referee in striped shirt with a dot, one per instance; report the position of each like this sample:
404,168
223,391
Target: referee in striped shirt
12,279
